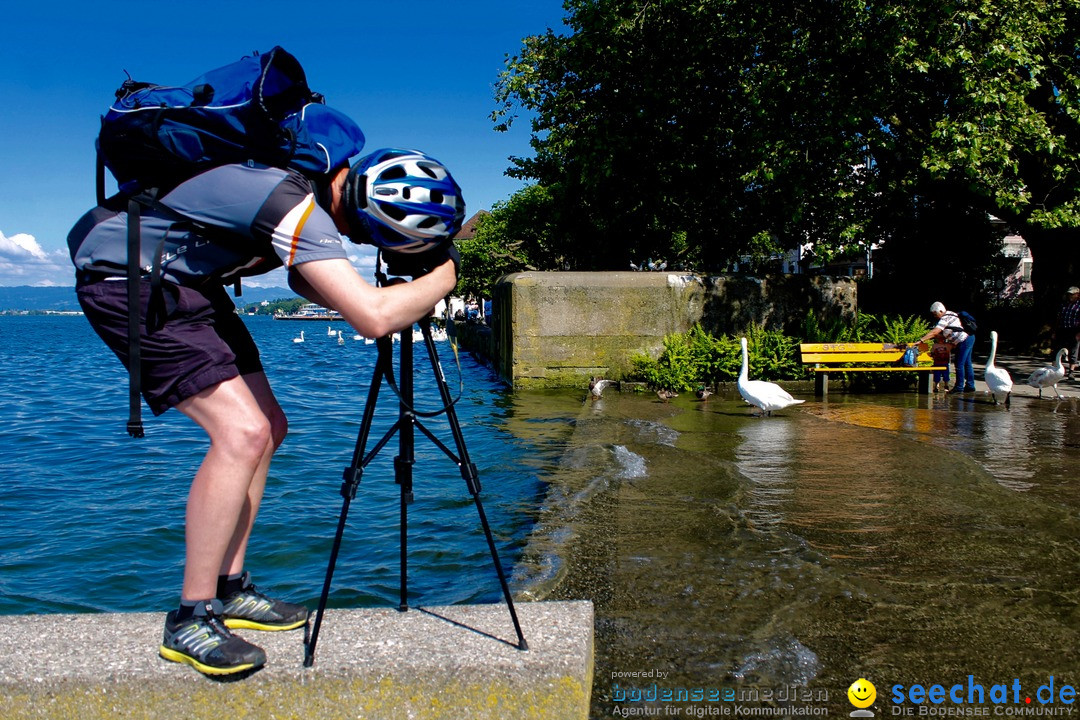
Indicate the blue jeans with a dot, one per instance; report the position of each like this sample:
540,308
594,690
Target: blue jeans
965,373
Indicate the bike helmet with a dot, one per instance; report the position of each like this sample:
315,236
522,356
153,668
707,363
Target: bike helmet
402,200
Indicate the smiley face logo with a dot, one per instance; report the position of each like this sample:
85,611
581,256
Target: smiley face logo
862,693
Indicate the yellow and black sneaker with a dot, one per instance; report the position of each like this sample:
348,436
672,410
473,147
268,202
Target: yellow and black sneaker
206,644
251,609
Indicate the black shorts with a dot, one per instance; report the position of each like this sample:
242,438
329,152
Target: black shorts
201,342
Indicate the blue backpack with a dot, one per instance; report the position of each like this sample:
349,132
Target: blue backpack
258,109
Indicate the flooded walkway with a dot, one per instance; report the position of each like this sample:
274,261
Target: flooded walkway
901,538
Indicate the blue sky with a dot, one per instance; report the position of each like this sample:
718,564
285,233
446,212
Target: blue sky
412,74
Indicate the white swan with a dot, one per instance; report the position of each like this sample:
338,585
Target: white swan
330,330
765,395
1049,375
299,339
997,379
340,338
597,387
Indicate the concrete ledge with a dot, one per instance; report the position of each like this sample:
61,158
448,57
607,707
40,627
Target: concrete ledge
443,662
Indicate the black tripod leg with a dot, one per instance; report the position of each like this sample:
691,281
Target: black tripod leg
469,473
403,463
351,481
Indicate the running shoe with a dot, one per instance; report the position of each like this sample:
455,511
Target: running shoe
203,642
253,610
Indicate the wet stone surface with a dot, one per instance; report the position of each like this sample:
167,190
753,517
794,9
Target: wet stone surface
901,538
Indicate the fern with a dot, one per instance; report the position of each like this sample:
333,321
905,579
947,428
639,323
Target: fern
695,358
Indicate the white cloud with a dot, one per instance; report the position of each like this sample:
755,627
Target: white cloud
24,262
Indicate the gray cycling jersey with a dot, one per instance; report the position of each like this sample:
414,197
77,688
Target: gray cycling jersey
244,220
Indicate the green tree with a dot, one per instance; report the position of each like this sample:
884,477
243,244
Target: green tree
739,127
517,235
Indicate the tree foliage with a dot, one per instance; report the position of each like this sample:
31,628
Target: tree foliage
705,130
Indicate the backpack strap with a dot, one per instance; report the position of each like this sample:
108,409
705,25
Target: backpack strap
155,310
134,277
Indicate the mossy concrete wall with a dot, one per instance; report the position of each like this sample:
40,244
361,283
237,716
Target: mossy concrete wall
558,329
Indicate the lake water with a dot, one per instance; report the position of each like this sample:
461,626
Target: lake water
92,520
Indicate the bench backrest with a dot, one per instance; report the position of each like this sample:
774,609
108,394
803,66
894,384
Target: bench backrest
854,353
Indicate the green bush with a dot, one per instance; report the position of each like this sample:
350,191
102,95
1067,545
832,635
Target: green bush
695,358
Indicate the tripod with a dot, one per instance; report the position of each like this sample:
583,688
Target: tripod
405,428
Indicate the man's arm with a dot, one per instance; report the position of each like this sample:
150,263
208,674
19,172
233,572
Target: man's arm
372,311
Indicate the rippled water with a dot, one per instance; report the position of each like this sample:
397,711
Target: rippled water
894,537
93,520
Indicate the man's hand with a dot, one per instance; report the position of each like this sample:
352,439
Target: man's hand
417,264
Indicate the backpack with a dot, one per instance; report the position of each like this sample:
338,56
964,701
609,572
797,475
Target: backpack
967,322
258,109
910,358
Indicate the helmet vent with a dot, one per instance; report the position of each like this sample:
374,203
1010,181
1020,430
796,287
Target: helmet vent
394,211
428,169
393,173
436,196
427,222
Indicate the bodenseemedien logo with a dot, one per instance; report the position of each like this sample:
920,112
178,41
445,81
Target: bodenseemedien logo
862,694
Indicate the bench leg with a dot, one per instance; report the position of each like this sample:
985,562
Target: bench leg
821,384
924,383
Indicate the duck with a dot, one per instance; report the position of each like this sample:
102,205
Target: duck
299,339
1050,375
703,393
666,395
997,379
765,395
597,387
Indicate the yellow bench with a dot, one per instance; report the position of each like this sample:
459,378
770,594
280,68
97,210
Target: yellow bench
868,357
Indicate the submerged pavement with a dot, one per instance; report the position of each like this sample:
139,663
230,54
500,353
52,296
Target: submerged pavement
456,662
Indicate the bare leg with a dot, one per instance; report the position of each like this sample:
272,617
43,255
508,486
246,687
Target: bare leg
245,426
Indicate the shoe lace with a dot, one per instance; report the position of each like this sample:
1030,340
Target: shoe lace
217,625
250,589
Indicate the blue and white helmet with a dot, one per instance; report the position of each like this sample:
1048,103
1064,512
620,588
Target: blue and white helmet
402,200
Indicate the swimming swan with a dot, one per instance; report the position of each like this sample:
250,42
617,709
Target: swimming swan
765,395
299,339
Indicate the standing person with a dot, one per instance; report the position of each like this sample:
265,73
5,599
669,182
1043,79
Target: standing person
198,357
948,326
1068,326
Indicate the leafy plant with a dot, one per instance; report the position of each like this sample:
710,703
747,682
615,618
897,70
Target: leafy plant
695,358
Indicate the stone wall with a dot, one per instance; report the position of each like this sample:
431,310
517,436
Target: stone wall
557,329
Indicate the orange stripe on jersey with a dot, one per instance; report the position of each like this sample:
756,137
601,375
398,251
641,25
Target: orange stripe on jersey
299,229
